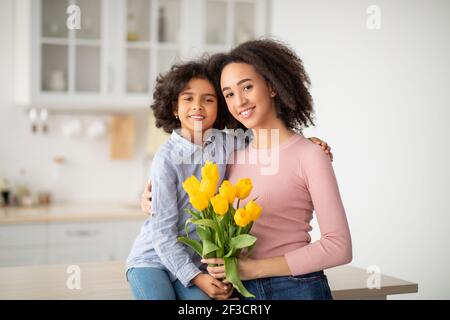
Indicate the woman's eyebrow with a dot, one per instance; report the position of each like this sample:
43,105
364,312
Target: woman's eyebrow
238,83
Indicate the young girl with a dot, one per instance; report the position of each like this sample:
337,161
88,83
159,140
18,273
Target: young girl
158,266
266,87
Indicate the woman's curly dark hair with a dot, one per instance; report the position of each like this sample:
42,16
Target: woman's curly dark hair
168,88
283,71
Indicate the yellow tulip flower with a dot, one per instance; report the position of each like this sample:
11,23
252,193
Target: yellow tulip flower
220,204
241,217
243,188
228,191
254,210
191,185
208,188
199,201
210,171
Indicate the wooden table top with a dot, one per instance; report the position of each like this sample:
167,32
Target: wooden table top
106,280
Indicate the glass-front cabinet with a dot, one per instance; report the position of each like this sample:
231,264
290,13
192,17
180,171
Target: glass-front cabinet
107,54
70,60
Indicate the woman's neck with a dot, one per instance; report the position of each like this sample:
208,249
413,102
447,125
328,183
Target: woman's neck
270,135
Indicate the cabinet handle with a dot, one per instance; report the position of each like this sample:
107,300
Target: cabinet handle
82,233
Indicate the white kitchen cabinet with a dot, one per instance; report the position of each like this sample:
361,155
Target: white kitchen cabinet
124,236
112,61
23,256
23,235
23,245
80,242
67,243
80,234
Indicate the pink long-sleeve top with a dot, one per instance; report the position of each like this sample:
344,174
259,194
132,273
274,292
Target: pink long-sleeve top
303,182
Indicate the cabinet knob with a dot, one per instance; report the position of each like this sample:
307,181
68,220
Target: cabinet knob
82,233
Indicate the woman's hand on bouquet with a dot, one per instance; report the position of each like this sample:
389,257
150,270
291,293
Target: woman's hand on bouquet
213,287
146,198
246,268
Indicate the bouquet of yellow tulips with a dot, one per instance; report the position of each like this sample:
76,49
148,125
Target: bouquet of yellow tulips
223,230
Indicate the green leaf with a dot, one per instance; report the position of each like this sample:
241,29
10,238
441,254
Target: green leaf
250,249
193,213
207,223
229,254
190,220
194,244
232,230
208,247
220,233
242,241
204,233
232,276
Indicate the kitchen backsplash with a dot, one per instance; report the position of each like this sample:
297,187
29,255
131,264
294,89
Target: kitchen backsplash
74,167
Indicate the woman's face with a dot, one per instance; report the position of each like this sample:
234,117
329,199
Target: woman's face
197,106
248,97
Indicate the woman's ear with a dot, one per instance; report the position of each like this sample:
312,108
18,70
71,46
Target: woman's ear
272,91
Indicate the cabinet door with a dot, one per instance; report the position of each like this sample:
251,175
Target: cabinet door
22,245
23,256
71,58
151,42
79,254
79,234
80,242
23,235
125,232
230,23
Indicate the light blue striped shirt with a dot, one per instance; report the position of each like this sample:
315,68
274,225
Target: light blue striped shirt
156,245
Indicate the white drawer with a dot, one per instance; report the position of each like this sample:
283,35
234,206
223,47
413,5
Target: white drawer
75,255
79,234
23,256
23,235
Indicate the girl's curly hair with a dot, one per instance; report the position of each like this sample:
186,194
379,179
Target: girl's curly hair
168,88
283,71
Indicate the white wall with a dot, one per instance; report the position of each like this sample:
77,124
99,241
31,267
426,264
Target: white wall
382,101
89,174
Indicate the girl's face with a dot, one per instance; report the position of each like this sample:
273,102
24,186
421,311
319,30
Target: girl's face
197,106
248,97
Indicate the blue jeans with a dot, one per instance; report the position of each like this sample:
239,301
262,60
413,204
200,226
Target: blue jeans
154,284
311,286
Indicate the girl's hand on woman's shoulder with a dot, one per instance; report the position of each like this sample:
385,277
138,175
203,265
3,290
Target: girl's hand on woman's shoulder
325,147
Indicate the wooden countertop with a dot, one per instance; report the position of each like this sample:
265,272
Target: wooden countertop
70,213
106,280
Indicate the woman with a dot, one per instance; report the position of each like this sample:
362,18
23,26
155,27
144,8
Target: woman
266,87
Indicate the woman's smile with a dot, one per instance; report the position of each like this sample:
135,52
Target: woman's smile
247,113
